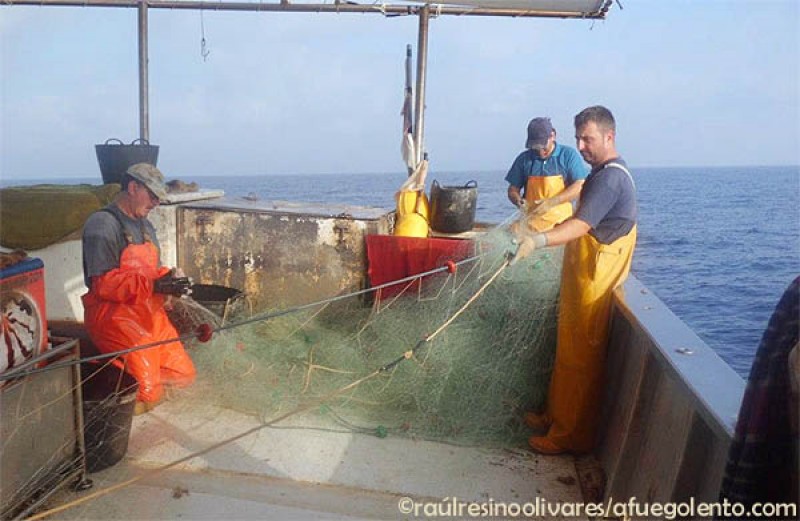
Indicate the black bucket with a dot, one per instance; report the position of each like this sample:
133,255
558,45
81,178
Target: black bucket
453,207
221,300
115,158
109,397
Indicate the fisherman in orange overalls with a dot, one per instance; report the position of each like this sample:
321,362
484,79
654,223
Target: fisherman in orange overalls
600,240
128,287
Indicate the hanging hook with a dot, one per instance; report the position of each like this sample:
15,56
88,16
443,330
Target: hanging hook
204,50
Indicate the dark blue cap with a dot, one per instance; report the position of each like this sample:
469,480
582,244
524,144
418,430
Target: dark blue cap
539,130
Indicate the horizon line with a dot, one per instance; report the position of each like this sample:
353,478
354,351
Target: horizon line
389,172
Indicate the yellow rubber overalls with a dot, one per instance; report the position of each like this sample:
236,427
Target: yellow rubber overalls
591,272
544,187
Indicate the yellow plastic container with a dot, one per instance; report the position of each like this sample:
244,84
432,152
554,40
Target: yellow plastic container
409,202
411,225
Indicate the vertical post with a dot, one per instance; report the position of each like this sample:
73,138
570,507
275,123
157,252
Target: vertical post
422,64
77,404
408,117
144,109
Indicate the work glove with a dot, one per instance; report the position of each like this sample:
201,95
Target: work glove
170,284
521,226
544,205
527,245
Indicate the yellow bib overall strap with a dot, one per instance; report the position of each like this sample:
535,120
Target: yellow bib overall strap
591,272
544,187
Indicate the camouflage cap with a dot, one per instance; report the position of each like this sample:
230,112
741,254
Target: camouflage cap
151,177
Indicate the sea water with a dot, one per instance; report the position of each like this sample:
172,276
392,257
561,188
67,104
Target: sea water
717,245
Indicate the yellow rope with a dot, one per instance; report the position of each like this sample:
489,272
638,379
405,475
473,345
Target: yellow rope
470,301
149,473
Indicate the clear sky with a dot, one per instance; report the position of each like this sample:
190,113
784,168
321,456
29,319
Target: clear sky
690,82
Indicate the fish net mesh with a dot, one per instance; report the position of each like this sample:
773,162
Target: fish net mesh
470,384
490,345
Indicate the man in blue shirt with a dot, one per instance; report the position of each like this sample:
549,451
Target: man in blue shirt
550,174
600,240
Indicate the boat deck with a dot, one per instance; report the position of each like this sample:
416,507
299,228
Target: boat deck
301,469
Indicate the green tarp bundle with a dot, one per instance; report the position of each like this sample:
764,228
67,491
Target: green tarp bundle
33,217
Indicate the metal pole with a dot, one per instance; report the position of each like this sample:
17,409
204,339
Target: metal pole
144,109
408,115
409,80
422,64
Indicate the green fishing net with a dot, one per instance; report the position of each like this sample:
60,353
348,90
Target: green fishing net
470,384
465,355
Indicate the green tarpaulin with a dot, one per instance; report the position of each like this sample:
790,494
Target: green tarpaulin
33,217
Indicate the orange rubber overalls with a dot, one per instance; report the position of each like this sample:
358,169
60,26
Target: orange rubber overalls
121,311
544,187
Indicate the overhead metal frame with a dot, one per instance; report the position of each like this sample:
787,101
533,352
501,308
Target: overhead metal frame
335,7
424,11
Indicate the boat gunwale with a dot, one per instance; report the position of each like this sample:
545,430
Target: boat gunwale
714,388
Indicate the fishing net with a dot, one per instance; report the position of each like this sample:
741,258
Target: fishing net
470,384
466,354
186,314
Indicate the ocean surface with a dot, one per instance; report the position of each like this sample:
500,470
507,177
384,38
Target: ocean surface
717,245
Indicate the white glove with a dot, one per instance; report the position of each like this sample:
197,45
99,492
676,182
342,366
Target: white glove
528,244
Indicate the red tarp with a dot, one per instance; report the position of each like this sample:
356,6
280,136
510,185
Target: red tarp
392,258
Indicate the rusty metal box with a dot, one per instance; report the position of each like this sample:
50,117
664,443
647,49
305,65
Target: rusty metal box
279,253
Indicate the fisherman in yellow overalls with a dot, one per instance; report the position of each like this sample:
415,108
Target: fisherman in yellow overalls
599,240
550,174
